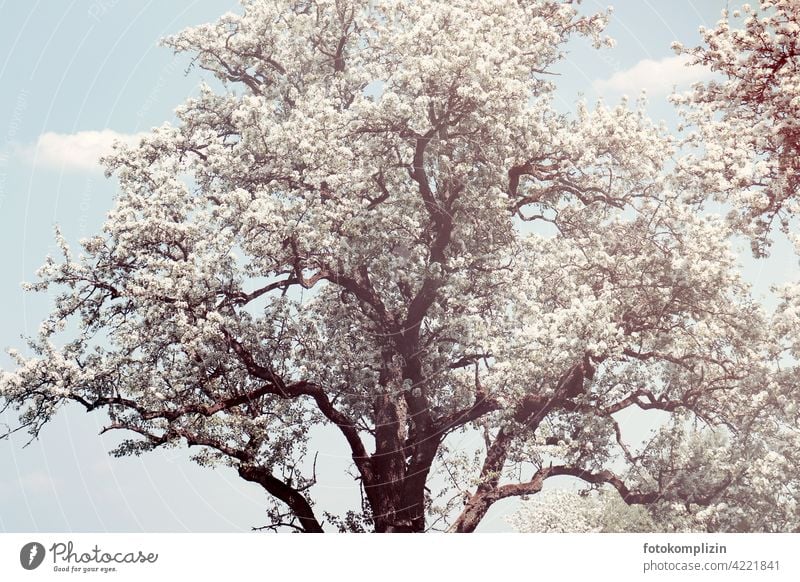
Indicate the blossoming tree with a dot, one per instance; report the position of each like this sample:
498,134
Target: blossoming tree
380,223
743,135
747,123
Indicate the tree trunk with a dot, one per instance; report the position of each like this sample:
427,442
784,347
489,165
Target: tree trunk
385,492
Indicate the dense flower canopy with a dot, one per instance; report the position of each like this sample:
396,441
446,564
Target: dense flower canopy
748,122
379,222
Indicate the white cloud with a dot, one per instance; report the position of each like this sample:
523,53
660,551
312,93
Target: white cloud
76,151
656,77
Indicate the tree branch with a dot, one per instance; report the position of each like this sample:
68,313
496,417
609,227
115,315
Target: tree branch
290,496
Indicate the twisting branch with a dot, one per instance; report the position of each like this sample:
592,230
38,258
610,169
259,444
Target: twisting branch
290,496
276,386
596,478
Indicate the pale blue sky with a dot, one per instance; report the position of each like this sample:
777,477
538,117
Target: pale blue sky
68,67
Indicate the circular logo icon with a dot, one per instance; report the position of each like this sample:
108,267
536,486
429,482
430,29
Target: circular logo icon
31,555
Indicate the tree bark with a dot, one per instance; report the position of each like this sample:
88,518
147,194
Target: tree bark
297,503
385,488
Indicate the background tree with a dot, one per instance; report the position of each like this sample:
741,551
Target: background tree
380,223
746,122
743,139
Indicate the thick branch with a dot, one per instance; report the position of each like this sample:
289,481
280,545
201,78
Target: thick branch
290,496
596,478
325,406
